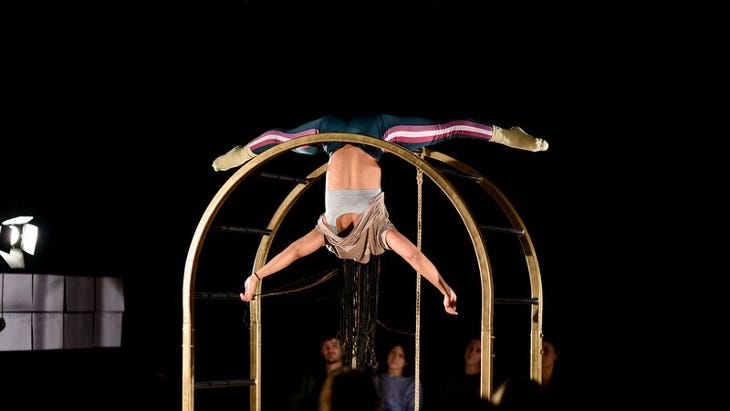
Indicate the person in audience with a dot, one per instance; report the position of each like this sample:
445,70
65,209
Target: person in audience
462,389
306,397
397,385
349,389
551,373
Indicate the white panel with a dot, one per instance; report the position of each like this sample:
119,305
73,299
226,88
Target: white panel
108,329
109,294
47,331
17,333
79,294
17,292
47,293
77,330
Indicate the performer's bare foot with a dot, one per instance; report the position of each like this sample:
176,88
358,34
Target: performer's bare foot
517,138
237,156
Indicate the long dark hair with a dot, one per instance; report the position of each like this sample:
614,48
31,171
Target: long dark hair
359,313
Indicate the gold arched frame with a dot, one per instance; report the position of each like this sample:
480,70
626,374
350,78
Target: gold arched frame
527,248
262,252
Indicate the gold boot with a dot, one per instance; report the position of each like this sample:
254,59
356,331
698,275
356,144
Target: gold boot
517,138
239,155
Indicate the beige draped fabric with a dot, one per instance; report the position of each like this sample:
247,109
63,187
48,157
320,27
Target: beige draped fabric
366,238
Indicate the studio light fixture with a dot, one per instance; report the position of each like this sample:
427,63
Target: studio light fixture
18,236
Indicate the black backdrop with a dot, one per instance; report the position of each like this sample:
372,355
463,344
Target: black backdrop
112,127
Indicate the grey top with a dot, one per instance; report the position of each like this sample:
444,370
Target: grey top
338,202
367,236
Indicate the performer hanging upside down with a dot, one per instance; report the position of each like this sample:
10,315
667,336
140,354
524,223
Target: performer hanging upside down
355,224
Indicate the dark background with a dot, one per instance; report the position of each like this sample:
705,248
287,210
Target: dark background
111,125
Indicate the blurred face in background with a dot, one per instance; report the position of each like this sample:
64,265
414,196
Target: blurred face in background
548,353
396,360
331,351
473,353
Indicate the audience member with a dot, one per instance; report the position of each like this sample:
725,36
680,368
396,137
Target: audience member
461,390
551,374
397,386
349,389
307,393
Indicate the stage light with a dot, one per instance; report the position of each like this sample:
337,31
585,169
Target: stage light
20,236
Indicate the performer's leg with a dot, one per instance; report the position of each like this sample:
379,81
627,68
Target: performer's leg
239,155
416,132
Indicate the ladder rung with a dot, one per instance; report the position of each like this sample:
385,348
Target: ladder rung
474,177
234,229
507,230
531,300
282,177
209,295
223,384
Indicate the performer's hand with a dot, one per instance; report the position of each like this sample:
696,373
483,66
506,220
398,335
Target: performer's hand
250,288
450,302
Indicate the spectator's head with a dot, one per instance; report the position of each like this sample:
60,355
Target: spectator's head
549,355
331,350
397,361
473,356
349,389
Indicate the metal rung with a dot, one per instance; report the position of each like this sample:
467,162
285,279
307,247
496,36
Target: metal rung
282,177
532,301
223,384
460,174
495,229
242,230
207,295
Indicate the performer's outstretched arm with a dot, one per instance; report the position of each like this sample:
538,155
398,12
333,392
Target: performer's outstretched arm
301,247
415,257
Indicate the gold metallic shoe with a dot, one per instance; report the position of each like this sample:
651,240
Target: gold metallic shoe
517,138
239,155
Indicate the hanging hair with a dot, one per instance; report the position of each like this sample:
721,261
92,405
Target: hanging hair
358,313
